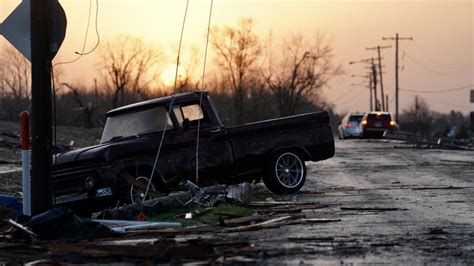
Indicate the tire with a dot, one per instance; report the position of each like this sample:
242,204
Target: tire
285,173
137,194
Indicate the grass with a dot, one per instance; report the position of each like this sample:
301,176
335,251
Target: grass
202,215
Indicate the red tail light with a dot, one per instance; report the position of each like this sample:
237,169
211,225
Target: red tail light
364,122
349,125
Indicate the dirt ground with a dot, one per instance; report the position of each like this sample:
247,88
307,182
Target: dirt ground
388,203
10,154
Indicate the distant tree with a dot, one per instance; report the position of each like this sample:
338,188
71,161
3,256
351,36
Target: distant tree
298,71
130,66
16,73
87,109
188,64
237,52
418,118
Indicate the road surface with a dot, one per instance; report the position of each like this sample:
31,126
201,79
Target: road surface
397,205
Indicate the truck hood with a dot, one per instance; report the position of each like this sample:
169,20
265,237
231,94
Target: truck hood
109,151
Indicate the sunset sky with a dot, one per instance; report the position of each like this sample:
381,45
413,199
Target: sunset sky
439,58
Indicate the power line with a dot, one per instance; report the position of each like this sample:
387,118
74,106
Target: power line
80,54
424,66
165,124
202,87
440,91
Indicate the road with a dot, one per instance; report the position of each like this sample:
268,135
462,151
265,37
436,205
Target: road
397,205
386,202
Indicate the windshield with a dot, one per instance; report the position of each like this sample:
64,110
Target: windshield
136,123
356,118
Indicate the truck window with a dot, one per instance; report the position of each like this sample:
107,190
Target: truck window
136,123
189,113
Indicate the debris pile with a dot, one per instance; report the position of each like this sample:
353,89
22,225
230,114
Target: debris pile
429,142
60,236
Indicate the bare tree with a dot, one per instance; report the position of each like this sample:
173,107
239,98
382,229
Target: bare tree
16,73
417,118
87,109
130,66
238,49
299,71
188,64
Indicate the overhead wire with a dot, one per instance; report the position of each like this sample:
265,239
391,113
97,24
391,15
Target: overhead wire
202,87
84,43
431,69
165,124
440,91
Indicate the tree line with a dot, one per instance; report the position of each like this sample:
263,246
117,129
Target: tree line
250,78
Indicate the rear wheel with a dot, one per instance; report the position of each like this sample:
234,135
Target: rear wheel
285,172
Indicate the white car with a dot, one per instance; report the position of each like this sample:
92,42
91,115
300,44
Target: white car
349,126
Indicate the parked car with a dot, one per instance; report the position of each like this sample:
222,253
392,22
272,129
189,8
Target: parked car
374,124
349,126
120,167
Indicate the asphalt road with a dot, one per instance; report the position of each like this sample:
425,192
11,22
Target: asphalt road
397,205
387,202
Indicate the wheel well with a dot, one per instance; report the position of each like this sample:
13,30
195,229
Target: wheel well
300,150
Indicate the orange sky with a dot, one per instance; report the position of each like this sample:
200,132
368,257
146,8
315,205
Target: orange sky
440,57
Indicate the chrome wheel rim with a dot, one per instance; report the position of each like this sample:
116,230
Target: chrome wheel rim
289,170
137,194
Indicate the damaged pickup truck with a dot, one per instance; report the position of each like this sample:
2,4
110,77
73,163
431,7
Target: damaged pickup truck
118,170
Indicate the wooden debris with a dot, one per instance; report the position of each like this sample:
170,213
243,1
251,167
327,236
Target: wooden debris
441,187
380,209
22,228
242,220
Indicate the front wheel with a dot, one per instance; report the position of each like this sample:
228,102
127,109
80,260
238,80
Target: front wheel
285,173
139,189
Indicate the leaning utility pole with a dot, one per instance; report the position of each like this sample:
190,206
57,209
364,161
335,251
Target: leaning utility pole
380,71
41,126
397,89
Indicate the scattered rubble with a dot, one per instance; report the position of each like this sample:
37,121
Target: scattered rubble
429,142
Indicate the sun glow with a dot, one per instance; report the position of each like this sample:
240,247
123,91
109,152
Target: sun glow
168,75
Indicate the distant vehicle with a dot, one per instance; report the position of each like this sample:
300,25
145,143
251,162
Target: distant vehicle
349,126
120,167
374,124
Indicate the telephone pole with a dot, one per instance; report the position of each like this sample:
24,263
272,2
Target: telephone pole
41,107
370,89
380,71
374,82
397,89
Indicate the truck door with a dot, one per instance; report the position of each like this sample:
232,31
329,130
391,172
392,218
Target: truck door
214,156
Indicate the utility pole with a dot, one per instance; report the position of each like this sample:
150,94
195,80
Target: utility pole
370,89
380,71
397,89
96,93
374,82
41,107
